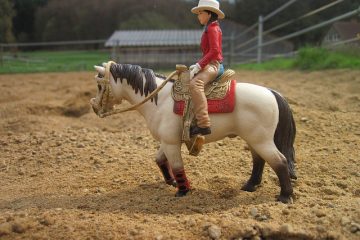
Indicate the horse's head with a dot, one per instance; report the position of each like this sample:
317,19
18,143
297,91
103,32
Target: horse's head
104,101
111,91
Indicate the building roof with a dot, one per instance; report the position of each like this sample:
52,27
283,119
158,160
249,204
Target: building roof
148,38
192,38
347,30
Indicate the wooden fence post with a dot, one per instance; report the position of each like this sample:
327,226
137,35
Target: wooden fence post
231,49
1,54
260,39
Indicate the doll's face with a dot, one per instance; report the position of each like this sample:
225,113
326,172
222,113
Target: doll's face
204,17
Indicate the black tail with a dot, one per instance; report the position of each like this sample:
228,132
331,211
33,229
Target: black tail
285,133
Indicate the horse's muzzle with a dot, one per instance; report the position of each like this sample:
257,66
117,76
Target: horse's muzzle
93,105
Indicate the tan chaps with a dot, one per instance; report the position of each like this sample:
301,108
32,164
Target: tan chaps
206,75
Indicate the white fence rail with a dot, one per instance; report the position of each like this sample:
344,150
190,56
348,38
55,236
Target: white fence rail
261,33
11,52
57,43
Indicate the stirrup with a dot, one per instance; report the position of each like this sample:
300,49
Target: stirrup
195,145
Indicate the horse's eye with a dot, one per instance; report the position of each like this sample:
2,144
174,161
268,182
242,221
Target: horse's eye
99,87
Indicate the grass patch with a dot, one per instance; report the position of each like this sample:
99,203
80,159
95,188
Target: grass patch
320,58
66,61
51,61
311,59
276,64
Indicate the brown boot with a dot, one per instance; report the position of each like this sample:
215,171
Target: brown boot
195,130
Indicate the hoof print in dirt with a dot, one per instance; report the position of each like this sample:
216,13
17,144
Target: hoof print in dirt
77,106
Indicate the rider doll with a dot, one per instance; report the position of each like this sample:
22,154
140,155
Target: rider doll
209,66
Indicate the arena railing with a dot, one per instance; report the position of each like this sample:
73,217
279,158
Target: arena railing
261,33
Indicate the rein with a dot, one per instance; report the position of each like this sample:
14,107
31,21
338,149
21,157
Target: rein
106,81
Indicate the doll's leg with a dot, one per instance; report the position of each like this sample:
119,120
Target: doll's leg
197,84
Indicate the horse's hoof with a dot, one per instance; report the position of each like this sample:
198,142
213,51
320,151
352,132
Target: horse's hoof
248,187
182,193
285,199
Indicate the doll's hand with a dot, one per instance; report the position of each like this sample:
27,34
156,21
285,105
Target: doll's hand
194,69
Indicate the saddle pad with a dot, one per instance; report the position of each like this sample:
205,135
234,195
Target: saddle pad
225,105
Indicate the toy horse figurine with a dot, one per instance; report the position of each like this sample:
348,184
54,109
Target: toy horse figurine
260,116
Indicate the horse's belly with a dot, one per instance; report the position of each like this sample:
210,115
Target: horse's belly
256,109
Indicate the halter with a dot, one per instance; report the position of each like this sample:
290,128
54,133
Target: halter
107,93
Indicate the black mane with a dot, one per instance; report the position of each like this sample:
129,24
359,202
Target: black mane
134,75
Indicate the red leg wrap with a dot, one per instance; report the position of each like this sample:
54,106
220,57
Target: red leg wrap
182,181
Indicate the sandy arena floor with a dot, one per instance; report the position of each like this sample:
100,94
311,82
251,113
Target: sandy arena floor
67,174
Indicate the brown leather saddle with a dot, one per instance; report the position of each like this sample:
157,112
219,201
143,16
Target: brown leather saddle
216,90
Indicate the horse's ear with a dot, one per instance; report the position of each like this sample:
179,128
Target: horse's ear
100,70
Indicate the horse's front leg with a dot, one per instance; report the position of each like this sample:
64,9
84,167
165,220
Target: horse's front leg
165,168
173,154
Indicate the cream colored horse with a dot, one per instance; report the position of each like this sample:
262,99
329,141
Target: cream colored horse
261,117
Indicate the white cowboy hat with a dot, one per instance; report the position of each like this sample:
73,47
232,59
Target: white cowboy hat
211,5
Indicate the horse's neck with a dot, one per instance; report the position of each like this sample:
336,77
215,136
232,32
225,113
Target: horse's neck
149,108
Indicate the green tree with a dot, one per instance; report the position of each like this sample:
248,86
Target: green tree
24,20
147,20
6,14
98,19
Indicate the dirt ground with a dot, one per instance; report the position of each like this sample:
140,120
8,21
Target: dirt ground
67,174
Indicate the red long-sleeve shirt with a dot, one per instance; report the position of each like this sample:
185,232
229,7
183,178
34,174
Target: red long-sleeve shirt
211,44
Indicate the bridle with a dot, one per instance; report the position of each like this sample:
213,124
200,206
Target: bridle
108,96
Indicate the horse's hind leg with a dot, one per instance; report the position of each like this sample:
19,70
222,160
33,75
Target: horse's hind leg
165,168
256,174
278,163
